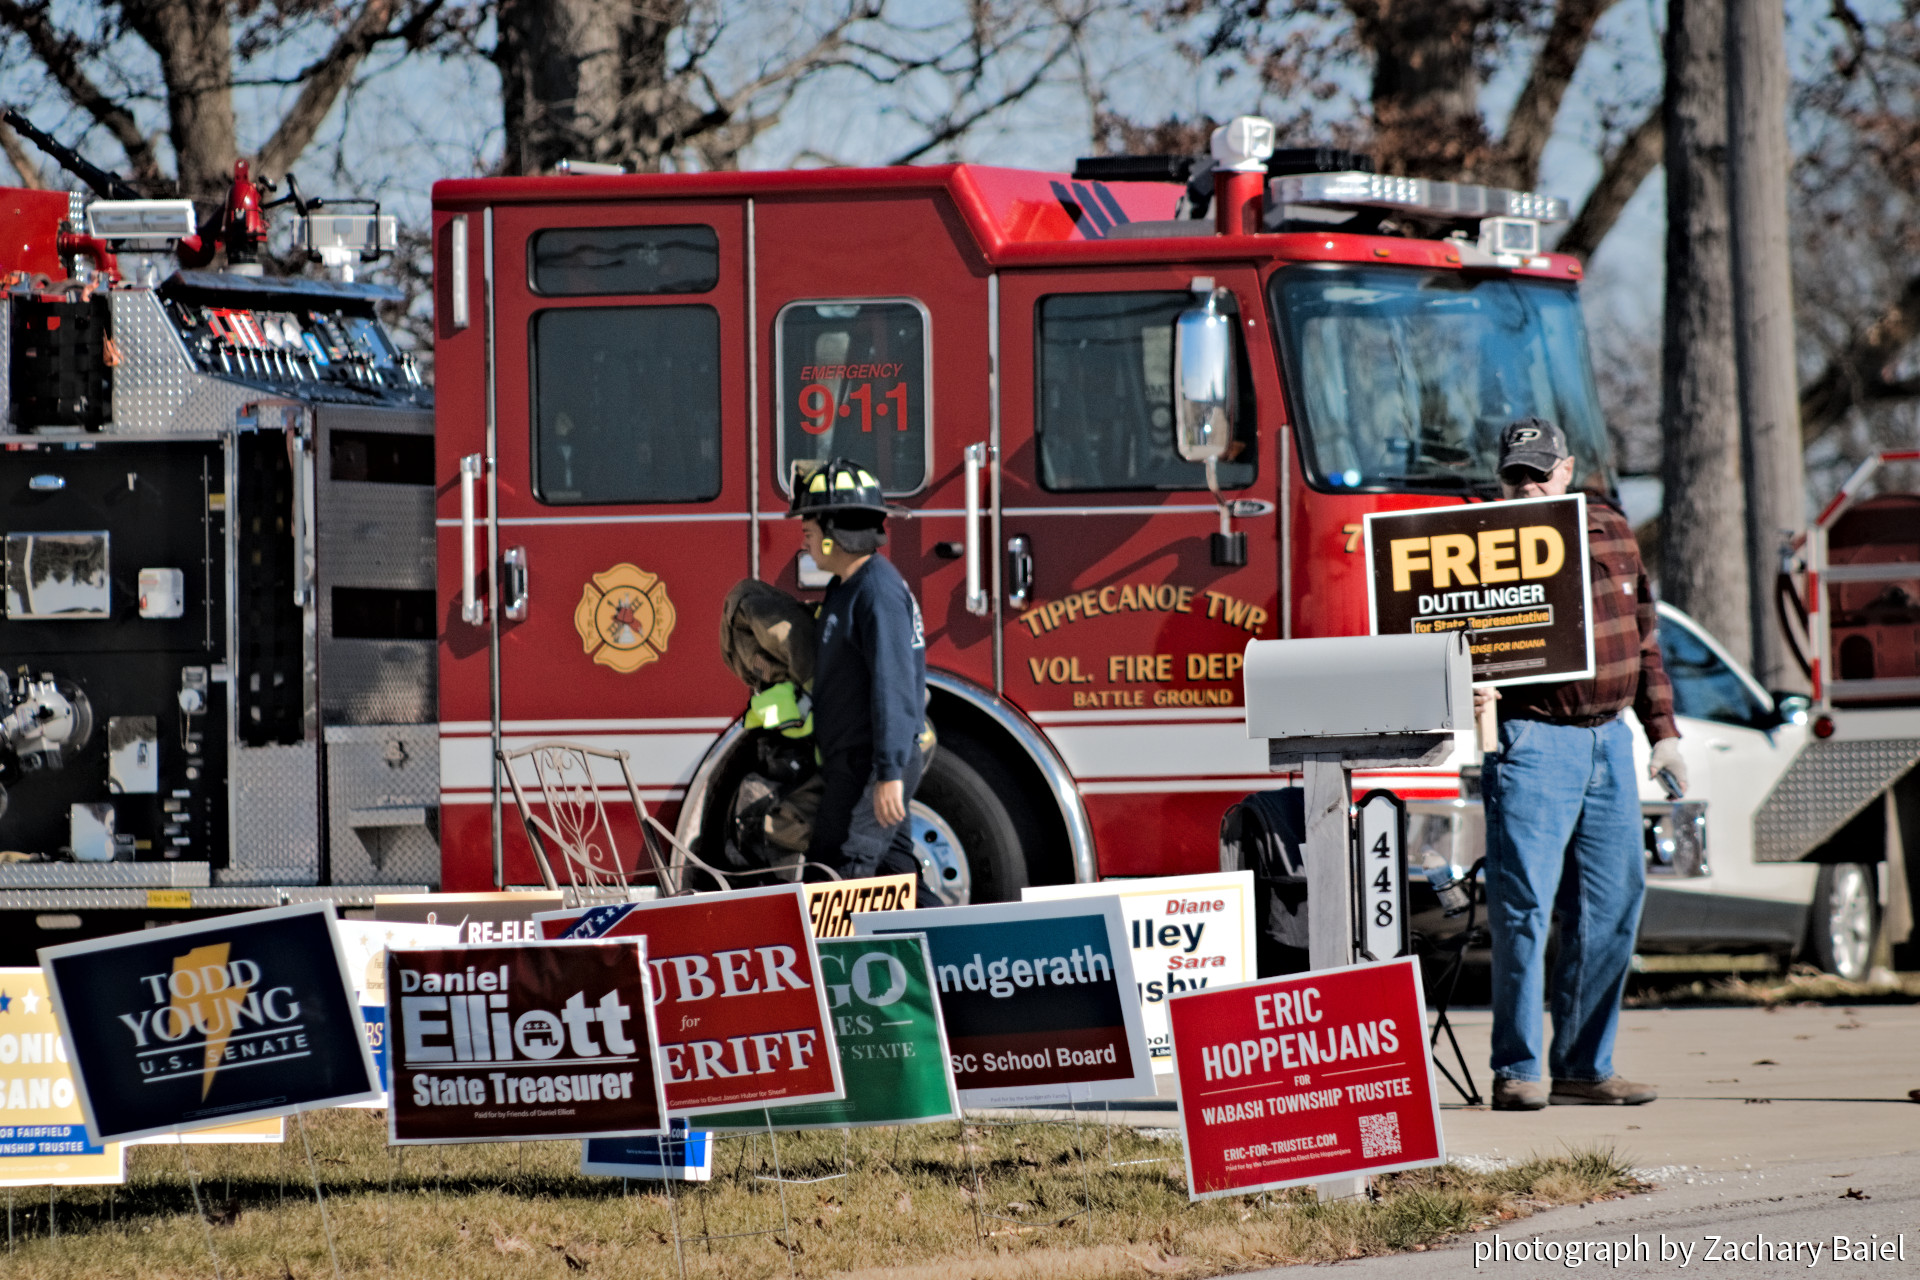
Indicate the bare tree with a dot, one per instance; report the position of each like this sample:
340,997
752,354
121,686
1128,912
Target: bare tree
1429,63
683,83
1703,526
203,50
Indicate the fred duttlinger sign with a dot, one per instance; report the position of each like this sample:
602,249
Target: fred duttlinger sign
1513,575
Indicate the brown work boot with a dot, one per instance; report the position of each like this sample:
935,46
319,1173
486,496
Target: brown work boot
1518,1095
1602,1093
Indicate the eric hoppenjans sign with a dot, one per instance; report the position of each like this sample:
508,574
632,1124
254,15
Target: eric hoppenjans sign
1300,1079
741,1010
548,1040
1038,999
1187,933
194,1025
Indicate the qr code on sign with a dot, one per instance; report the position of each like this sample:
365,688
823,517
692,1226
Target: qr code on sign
1380,1135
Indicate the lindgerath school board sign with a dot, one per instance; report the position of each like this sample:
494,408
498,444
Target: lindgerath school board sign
241,1017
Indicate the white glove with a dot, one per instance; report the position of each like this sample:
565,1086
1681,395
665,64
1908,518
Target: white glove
1666,755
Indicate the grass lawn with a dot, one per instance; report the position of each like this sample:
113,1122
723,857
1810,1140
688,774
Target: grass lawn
906,1206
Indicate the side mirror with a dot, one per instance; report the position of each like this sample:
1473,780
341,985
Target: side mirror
1205,383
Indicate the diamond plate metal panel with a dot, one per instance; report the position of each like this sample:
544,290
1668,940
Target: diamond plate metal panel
376,535
375,682
1823,790
276,823
158,389
104,875
383,793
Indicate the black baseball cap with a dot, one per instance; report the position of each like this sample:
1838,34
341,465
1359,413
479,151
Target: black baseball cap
1532,442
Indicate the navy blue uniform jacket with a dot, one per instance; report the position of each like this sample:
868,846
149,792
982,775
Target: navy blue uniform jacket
870,672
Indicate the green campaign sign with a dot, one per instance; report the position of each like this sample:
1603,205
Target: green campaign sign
893,1045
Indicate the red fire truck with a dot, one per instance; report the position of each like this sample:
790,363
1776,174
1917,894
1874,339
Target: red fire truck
628,366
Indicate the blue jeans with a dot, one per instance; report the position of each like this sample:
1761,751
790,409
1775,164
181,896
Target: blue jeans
1563,836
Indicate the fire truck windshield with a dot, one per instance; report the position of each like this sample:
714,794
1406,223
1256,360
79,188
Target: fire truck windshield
1401,379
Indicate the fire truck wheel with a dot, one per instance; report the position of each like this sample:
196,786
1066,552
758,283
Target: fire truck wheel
979,822
1845,919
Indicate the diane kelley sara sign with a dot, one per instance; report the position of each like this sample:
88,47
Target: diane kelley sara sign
1513,575
1187,933
43,1139
1300,1079
195,1025
1038,999
739,1001
893,1050
542,1040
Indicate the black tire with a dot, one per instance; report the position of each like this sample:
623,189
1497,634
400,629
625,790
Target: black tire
1845,919
953,789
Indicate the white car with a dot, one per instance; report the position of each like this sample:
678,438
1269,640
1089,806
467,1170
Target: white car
1711,895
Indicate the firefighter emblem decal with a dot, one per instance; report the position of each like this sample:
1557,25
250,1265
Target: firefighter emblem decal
624,618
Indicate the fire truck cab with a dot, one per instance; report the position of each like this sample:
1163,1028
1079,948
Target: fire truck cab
628,366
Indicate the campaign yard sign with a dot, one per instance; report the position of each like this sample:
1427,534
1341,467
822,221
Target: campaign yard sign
893,1048
1513,575
682,1155
1300,1079
540,1040
1037,997
738,995
191,1026
43,1138
480,917
831,903
1187,933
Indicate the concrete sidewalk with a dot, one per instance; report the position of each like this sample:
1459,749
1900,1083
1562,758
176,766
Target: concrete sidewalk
1740,1089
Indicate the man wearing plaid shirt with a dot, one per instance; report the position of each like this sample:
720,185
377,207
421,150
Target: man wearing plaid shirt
1563,816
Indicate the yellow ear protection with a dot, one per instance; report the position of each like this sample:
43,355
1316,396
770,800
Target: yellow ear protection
826,545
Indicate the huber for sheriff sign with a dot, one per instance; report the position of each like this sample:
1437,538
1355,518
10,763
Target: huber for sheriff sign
1301,1079
1513,575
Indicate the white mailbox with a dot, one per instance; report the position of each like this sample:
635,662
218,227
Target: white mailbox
1373,701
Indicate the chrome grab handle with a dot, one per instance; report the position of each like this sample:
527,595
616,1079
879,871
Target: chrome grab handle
977,603
1019,571
303,496
513,585
472,611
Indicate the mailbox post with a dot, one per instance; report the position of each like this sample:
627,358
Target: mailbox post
1329,706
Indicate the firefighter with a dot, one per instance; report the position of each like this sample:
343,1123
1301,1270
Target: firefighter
1563,816
869,676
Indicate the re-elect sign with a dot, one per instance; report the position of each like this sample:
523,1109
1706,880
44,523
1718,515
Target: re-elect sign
738,998
1187,933
1038,999
549,1040
1300,1079
1513,575
194,1025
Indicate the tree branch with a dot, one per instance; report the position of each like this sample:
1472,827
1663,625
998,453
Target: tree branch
331,73
1860,373
1636,157
60,53
1517,160
30,176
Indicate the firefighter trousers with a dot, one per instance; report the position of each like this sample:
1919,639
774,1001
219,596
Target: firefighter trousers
846,836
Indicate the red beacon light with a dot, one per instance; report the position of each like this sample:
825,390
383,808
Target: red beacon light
1823,727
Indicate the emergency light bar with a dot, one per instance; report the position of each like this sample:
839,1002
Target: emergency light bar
1460,200
156,220
364,233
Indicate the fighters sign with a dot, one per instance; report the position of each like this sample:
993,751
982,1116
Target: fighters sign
1513,575
1300,1079
739,1003
548,1040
